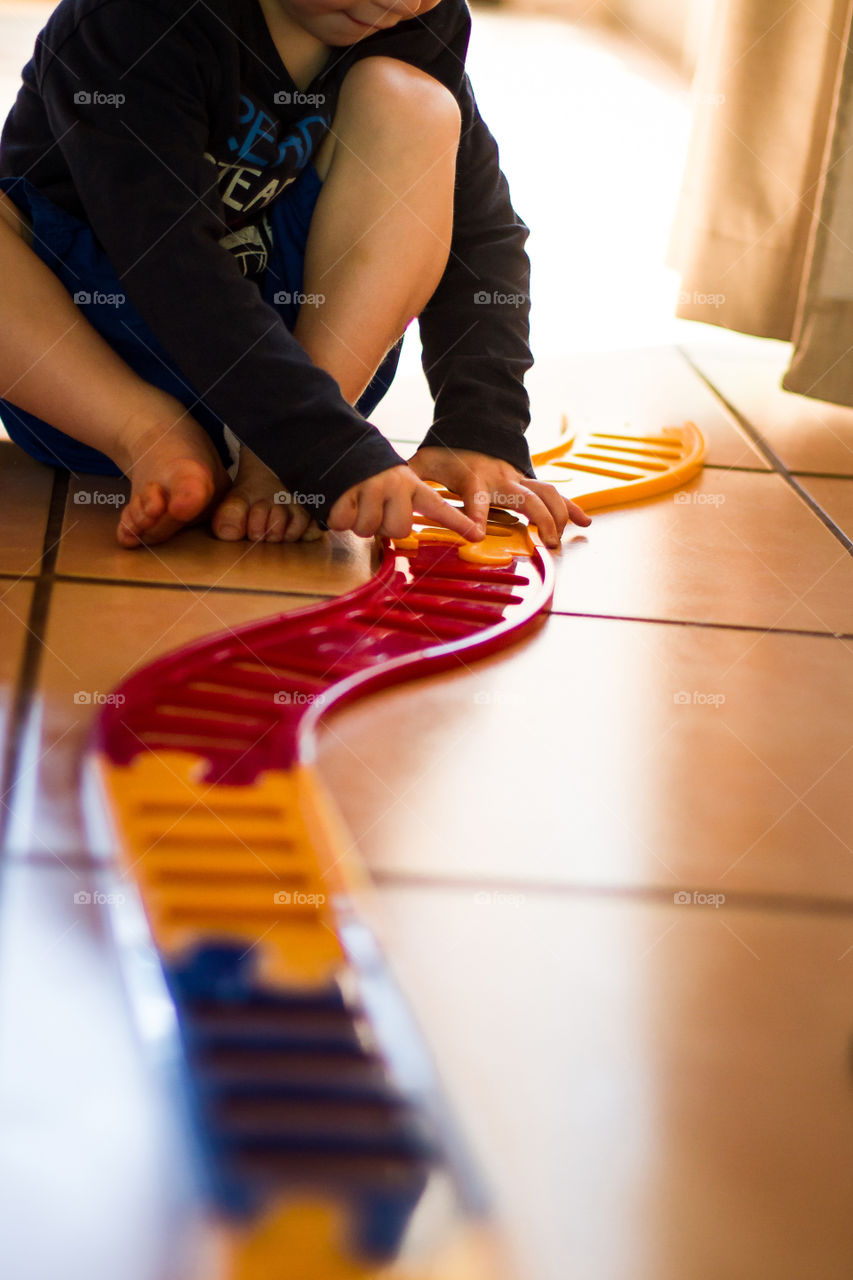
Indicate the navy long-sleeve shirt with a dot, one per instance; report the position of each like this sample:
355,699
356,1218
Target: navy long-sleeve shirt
169,126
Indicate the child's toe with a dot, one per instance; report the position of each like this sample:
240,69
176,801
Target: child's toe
139,515
126,533
191,489
276,523
229,523
297,523
257,522
148,506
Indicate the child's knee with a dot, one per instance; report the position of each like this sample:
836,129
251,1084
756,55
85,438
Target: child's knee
394,98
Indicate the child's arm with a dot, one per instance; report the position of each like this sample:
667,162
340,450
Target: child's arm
475,349
475,328
136,153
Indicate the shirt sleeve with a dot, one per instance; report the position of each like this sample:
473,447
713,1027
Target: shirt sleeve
126,98
475,328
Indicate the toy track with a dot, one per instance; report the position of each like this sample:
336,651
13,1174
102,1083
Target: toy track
327,1149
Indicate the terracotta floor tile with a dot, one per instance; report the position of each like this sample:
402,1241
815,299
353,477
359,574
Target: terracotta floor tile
654,1092
612,754
834,497
93,1181
733,547
807,434
95,637
667,586
639,390
25,489
332,565
15,600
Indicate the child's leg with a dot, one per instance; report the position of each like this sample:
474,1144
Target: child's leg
377,248
51,359
380,235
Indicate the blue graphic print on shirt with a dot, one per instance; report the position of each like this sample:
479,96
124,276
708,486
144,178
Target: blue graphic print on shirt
260,164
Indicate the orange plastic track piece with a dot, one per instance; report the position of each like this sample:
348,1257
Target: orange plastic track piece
601,468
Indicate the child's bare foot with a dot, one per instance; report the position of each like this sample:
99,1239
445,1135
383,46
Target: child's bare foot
175,474
249,510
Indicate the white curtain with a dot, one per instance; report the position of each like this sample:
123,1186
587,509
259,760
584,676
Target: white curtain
764,231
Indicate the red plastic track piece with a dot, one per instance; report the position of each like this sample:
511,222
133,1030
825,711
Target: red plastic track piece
250,700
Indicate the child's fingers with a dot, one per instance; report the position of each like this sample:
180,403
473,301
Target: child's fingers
555,503
427,503
362,508
397,516
576,514
370,511
386,502
539,513
345,511
476,501
561,508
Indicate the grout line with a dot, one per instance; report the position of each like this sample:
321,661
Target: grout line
6,575
94,580
33,648
773,458
710,626
823,475
742,899
641,895
722,466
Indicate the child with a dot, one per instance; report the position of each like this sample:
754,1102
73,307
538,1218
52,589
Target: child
217,218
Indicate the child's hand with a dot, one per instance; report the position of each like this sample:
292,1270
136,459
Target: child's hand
482,481
386,503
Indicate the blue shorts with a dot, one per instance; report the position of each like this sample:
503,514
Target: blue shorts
69,248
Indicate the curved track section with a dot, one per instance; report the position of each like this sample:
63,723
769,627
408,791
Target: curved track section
326,1148
323,1135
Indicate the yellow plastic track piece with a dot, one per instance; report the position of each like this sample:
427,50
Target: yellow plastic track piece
594,469
603,468
311,1235
234,863
267,867
506,537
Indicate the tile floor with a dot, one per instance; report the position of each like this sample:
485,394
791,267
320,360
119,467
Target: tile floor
655,1090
